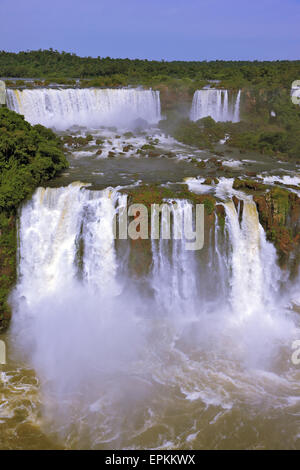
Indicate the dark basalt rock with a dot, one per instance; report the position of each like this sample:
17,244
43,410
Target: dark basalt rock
210,181
235,201
127,148
8,271
248,184
128,135
279,214
153,153
76,142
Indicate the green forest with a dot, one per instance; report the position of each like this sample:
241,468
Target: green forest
28,155
60,66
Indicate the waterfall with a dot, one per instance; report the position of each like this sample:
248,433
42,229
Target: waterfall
216,104
240,269
254,274
236,114
90,107
295,92
66,233
174,270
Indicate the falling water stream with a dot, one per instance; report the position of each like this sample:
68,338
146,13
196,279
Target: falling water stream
216,104
90,107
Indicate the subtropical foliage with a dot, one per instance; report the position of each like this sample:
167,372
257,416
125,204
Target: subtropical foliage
28,155
52,64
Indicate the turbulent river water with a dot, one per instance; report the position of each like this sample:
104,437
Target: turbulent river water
112,347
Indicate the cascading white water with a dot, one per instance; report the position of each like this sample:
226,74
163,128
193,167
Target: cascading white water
248,269
295,93
216,104
90,107
174,269
53,223
254,273
236,114
59,226
67,234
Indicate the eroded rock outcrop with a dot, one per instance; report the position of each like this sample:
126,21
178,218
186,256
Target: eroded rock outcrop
8,242
279,213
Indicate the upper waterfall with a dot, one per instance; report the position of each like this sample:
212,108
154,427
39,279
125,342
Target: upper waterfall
216,104
89,107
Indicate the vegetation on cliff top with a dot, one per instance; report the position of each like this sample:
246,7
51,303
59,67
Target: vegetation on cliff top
28,156
232,74
279,213
148,194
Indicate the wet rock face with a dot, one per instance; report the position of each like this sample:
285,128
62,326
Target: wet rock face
175,98
76,142
279,213
7,266
278,208
257,101
246,184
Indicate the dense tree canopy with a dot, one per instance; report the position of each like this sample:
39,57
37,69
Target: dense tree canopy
51,63
28,155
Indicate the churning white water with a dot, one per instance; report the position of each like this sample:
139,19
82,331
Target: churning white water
90,107
116,360
218,104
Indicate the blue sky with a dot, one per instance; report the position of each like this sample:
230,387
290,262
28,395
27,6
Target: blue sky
152,29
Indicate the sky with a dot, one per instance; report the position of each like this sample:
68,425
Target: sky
155,29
